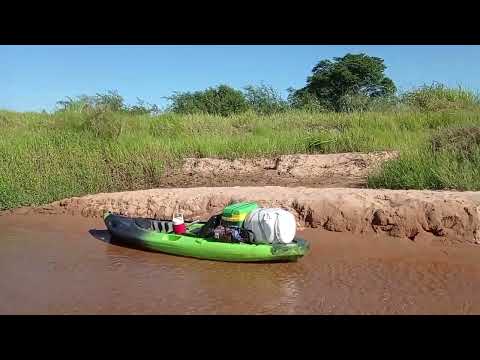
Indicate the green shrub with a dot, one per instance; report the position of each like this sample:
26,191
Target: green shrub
222,100
306,101
5,121
437,97
111,101
450,159
142,108
354,103
103,124
264,100
463,141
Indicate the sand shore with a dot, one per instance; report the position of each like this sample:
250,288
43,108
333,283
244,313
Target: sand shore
447,216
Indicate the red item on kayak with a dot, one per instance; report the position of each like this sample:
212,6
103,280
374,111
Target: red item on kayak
179,225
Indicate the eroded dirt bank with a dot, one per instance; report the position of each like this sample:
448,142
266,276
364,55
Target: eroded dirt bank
446,217
319,170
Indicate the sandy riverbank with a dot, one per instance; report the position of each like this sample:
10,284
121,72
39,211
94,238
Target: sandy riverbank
322,191
446,217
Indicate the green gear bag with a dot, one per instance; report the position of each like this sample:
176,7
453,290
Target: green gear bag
235,214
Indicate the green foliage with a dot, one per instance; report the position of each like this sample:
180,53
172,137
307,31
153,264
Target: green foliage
422,169
110,101
77,104
304,100
99,144
222,100
438,97
361,103
448,159
353,103
143,108
46,157
463,141
5,121
264,99
103,124
351,75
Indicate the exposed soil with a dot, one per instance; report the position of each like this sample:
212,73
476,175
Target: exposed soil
321,170
451,217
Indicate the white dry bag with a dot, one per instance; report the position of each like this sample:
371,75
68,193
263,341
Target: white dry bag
271,226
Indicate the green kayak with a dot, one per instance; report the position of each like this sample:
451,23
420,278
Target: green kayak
158,235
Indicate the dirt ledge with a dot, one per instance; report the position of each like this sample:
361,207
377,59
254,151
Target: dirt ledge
313,170
448,216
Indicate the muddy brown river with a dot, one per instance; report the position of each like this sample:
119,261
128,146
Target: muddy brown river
66,265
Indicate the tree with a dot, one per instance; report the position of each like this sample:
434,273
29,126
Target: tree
351,75
222,100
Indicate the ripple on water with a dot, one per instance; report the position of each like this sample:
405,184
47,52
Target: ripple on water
43,269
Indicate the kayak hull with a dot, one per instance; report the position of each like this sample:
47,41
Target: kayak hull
137,232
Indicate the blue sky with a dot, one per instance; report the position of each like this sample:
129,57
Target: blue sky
33,78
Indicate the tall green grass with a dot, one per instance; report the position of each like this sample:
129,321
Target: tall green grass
437,97
449,159
46,157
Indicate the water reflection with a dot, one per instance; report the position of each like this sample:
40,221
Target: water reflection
206,286
102,235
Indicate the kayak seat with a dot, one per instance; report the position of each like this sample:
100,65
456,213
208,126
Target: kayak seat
162,226
155,225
